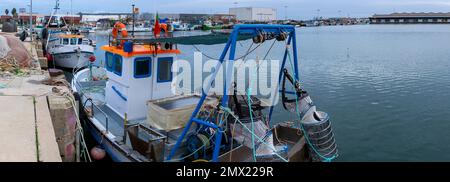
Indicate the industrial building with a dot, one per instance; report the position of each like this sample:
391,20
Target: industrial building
254,14
191,18
94,17
22,18
411,18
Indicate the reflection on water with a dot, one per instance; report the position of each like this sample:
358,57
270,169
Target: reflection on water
386,87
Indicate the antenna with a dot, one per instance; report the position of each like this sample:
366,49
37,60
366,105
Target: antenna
71,12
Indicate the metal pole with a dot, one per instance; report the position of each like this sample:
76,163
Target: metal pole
71,13
132,33
31,20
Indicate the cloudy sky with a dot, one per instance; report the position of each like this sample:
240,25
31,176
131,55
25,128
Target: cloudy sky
297,9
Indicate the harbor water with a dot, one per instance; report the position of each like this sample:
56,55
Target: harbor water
385,87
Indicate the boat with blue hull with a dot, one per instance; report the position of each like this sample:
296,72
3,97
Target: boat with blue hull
131,111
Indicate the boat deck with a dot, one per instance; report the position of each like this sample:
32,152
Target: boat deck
111,121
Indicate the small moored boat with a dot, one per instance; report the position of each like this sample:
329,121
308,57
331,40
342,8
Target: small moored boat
70,50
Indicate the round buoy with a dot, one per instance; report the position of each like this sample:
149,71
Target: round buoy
49,57
97,153
92,58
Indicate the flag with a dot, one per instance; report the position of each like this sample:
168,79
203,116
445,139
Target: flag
157,29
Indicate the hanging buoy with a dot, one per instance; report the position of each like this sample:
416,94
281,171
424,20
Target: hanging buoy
49,57
97,153
92,58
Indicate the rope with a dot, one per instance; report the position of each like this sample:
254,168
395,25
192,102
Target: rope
243,56
324,158
249,90
226,109
79,128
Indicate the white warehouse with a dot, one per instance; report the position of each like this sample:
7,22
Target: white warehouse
254,14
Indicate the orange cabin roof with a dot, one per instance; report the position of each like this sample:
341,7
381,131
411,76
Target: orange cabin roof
138,50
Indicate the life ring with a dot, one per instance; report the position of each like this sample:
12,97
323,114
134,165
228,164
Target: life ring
119,26
162,27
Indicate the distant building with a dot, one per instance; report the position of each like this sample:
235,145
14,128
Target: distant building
172,16
65,19
22,18
254,14
94,17
151,16
193,18
411,18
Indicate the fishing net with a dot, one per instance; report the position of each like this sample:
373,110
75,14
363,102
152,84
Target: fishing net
261,130
11,48
4,48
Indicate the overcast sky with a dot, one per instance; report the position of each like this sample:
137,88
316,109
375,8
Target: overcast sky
297,9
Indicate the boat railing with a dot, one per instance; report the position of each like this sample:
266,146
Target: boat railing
88,99
137,39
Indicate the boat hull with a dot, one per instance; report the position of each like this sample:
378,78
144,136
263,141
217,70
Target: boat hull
72,59
111,147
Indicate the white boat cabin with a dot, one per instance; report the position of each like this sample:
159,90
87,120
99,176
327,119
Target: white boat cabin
68,39
137,76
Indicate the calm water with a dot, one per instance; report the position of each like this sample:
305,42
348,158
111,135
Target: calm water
386,87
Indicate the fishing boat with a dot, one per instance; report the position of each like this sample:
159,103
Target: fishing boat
87,30
70,50
63,44
129,109
183,27
142,27
208,25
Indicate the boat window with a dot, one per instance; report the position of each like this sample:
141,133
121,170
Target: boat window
66,41
109,58
80,41
73,41
142,67
117,65
164,69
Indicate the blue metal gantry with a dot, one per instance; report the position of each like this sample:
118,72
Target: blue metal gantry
231,47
